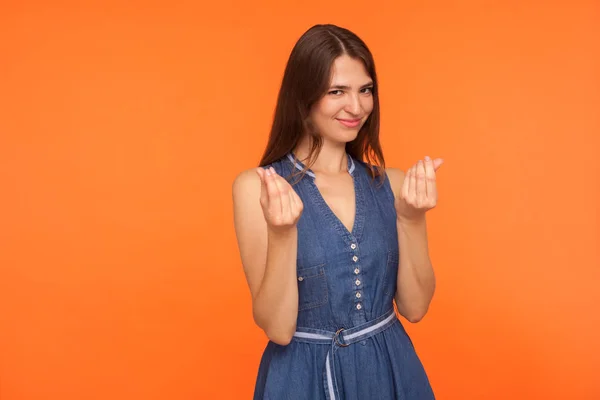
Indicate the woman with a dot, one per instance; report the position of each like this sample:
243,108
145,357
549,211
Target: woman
320,226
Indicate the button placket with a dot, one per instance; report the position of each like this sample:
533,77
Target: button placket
358,284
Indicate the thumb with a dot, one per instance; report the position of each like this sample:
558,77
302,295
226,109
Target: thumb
261,174
437,163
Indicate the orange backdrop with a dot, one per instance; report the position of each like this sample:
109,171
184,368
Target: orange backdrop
123,126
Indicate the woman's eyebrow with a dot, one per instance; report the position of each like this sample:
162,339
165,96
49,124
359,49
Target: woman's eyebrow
345,87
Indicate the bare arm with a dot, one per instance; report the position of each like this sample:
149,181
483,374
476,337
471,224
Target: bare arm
266,210
416,278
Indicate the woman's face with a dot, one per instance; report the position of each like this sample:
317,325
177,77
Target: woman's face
343,110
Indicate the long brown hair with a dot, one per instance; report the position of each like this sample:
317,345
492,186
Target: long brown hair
306,79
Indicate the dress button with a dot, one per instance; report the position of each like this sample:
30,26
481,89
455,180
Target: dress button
357,282
358,306
352,246
300,278
356,271
358,295
355,258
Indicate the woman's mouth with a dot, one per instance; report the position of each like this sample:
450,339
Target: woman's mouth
349,123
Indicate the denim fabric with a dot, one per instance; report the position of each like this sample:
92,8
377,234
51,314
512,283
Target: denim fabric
346,283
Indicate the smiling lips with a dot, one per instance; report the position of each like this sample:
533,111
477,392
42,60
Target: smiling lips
349,123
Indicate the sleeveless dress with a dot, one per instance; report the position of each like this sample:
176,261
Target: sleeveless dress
349,344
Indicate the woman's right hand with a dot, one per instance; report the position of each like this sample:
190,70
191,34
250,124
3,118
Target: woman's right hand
281,205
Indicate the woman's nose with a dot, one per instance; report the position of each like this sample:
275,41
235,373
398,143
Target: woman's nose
353,105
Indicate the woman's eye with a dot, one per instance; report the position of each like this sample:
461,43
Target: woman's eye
338,92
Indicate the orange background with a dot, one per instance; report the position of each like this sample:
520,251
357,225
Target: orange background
123,126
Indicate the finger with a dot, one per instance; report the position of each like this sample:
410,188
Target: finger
412,189
261,174
273,192
263,188
280,195
293,205
430,178
291,193
406,184
421,185
437,163
284,194
297,201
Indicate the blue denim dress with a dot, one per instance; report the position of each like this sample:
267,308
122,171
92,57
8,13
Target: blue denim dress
349,344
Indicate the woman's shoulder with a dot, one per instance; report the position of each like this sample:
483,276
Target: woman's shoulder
248,178
246,182
396,179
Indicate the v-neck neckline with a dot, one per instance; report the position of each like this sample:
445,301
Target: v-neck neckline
351,236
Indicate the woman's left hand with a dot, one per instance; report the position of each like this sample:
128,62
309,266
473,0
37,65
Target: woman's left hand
419,190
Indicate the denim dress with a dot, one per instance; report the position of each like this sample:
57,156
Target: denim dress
349,343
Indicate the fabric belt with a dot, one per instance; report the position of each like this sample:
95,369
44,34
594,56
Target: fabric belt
342,338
